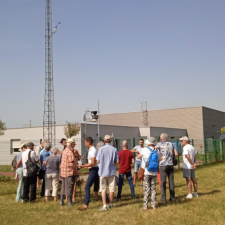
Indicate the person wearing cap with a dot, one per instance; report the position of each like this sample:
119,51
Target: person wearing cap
149,176
126,158
68,172
38,150
189,166
43,155
137,149
29,181
19,171
107,157
93,177
166,153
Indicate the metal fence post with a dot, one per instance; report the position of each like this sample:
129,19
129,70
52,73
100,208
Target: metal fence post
223,154
205,151
134,154
192,142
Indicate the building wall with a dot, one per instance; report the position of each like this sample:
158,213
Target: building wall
172,132
213,121
31,134
183,118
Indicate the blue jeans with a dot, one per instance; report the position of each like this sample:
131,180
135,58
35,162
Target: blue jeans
92,178
19,195
137,166
129,179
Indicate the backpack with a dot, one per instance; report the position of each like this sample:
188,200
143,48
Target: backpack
152,164
32,167
14,162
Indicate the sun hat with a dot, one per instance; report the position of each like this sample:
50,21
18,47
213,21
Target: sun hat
150,141
22,146
185,138
70,140
107,137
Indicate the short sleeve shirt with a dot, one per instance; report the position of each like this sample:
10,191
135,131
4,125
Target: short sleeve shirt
38,150
139,149
25,158
92,153
52,165
145,155
43,155
166,151
125,157
17,159
188,150
107,155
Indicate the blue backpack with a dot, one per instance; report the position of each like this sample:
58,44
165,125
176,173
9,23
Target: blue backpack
152,164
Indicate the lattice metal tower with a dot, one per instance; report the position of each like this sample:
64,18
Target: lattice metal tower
144,113
49,104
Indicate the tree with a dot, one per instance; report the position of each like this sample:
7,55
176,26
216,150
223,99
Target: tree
2,127
71,129
223,130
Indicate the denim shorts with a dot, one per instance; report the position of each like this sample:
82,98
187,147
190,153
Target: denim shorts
137,166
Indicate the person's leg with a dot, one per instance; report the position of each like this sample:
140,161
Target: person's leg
135,171
33,184
103,187
158,176
19,195
48,181
121,178
62,192
38,181
112,189
146,188
55,183
96,185
170,173
69,188
129,179
88,185
26,188
43,185
163,182
74,189
195,184
153,191
189,185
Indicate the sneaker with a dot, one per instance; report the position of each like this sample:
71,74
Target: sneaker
134,185
111,206
133,197
103,209
195,195
71,204
189,196
61,203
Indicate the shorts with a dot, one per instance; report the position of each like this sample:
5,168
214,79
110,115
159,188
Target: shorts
137,166
111,181
188,173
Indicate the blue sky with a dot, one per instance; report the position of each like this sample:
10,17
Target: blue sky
168,53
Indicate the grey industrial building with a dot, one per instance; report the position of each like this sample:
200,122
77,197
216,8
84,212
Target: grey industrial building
198,123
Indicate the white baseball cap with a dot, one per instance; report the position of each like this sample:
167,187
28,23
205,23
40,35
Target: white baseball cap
185,138
150,141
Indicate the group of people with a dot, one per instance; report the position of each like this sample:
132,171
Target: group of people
152,160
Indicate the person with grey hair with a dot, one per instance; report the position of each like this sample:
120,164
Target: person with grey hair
99,145
149,175
167,153
125,159
43,155
52,164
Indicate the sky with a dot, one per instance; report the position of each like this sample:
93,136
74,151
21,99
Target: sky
170,54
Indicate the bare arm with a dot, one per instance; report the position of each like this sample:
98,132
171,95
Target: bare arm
190,161
132,161
91,164
44,163
175,153
134,150
139,156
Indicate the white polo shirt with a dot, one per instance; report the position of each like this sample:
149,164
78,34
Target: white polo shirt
25,158
92,153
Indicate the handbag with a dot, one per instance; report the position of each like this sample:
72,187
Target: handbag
141,173
174,160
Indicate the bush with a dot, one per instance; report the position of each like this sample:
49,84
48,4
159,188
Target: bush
5,178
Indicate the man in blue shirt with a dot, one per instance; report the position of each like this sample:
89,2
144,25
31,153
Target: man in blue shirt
43,155
107,157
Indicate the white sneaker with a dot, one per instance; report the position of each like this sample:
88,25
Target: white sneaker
103,209
195,195
189,196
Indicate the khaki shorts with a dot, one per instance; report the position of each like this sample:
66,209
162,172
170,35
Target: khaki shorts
104,181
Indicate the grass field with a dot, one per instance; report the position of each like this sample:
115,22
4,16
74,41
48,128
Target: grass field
209,208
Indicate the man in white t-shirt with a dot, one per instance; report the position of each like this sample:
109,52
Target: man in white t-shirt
29,181
93,177
137,149
149,176
189,166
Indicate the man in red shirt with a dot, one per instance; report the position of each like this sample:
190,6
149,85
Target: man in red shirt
126,158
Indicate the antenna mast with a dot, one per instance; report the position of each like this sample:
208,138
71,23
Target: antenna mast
49,104
144,113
